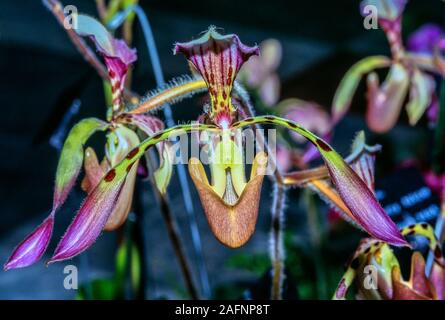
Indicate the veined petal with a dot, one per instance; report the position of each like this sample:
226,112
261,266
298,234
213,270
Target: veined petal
385,103
218,58
233,225
348,85
118,56
99,204
151,125
364,207
437,279
421,92
94,171
31,249
71,158
91,217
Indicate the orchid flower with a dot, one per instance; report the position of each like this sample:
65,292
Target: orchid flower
121,139
409,70
230,201
390,283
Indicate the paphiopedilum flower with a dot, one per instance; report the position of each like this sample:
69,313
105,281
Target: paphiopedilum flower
121,139
231,203
378,257
117,55
408,72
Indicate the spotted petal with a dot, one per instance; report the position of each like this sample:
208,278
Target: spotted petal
218,58
421,92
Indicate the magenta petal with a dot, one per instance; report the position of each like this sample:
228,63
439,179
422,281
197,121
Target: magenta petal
364,207
90,219
31,249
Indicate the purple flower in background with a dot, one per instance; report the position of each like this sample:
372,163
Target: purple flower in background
424,39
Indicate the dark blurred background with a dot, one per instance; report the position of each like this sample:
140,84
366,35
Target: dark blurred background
42,73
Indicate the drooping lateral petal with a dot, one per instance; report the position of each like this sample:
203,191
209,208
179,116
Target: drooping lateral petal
233,225
421,93
31,249
349,83
218,59
364,207
91,218
98,205
385,102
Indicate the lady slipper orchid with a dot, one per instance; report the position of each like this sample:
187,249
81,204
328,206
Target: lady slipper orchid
390,283
230,201
121,139
408,71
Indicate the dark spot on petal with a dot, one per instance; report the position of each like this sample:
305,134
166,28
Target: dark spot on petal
367,250
437,252
292,125
424,225
248,120
323,145
269,118
355,263
156,136
132,153
412,226
110,175
411,233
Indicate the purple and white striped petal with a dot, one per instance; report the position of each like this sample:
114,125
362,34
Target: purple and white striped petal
218,59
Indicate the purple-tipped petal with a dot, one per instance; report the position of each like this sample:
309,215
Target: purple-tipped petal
31,249
91,217
118,56
424,39
363,205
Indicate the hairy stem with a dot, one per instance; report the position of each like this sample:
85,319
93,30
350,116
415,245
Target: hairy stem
277,253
